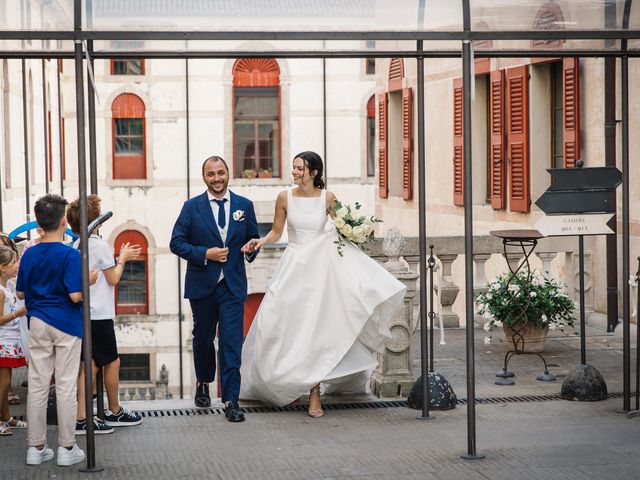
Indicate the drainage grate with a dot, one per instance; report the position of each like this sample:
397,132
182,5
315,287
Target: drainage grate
351,406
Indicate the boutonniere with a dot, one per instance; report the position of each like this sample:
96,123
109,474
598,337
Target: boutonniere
238,215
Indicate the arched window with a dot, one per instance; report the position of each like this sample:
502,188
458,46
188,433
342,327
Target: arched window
132,293
549,17
129,156
256,118
371,137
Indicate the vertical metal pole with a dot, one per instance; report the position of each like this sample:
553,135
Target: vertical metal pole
626,316
610,20
84,244
91,101
25,139
431,264
468,251
422,230
638,339
60,132
324,116
45,128
583,324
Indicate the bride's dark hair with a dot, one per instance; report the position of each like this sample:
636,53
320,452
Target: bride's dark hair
314,163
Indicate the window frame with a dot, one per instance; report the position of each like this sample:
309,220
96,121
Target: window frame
118,171
258,92
113,61
133,236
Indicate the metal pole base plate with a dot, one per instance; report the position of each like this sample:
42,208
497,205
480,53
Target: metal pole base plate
469,456
95,469
504,381
430,417
504,373
546,377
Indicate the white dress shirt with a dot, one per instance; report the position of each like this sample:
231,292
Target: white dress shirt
215,210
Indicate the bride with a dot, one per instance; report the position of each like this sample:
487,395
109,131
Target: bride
323,315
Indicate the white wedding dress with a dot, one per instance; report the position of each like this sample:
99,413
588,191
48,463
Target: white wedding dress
323,315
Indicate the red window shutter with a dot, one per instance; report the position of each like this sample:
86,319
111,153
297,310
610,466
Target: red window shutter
407,144
497,151
396,74
383,152
571,111
458,160
518,138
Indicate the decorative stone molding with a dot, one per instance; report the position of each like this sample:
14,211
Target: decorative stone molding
447,291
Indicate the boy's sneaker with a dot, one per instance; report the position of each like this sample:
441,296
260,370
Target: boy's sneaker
70,457
36,457
100,428
124,418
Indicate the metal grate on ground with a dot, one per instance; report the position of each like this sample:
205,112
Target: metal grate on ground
183,412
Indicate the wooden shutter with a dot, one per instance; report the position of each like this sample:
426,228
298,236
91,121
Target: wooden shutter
458,160
407,144
497,151
518,138
571,111
383,151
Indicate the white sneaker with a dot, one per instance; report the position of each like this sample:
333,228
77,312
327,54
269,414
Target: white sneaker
36,457
70,457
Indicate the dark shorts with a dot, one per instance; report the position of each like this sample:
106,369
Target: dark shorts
103,342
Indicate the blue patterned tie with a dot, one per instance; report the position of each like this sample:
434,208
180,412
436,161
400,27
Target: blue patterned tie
222,217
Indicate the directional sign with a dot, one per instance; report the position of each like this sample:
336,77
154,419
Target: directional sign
581,190
561,225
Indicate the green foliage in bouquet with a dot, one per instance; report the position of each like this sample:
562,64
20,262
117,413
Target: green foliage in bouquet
351,226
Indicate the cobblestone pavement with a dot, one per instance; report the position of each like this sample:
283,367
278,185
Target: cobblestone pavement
526,440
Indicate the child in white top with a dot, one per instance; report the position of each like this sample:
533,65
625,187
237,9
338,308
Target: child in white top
11,352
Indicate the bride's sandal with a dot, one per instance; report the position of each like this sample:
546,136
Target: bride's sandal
316,412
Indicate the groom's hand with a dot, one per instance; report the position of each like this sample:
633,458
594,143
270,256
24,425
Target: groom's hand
217,254
251,246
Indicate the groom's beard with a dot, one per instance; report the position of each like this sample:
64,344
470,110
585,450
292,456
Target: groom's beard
218,188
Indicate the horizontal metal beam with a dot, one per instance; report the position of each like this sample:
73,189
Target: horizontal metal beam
604,34
202,54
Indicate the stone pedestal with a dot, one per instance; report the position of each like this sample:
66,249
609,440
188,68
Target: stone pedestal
480,283
393,376
447,291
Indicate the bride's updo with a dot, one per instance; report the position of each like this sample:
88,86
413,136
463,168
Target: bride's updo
314,163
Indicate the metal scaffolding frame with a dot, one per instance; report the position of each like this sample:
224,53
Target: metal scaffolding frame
82,45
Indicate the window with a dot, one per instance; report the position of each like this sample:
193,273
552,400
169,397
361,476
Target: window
132,293
370,63
135,367
129,159
256,118
557,157
371,137
127,67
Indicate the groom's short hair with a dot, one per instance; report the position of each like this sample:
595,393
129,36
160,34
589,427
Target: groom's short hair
215,158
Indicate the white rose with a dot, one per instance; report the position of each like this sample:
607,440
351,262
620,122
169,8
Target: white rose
340,223
347,231
343,212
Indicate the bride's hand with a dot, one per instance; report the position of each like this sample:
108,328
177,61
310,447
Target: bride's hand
251,246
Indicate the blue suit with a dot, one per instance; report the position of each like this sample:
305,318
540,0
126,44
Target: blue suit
216,304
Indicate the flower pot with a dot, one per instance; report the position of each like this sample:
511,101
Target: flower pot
265,174
533,336
249,173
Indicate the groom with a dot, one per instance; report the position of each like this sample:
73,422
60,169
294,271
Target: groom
209,234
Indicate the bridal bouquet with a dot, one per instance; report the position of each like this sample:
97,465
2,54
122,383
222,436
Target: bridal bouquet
352,227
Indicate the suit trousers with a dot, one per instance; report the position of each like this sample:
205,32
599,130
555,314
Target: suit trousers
223,311
51,350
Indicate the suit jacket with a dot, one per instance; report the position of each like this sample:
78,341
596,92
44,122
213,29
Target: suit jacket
196,230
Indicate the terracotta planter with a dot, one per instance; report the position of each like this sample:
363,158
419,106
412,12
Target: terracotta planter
534,337
265,174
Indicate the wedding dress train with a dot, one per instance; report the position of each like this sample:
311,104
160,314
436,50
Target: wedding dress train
323,315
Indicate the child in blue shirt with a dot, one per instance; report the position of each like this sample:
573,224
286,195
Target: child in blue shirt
50,280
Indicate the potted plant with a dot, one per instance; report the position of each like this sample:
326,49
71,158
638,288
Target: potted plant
249,173
265,173
538,299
